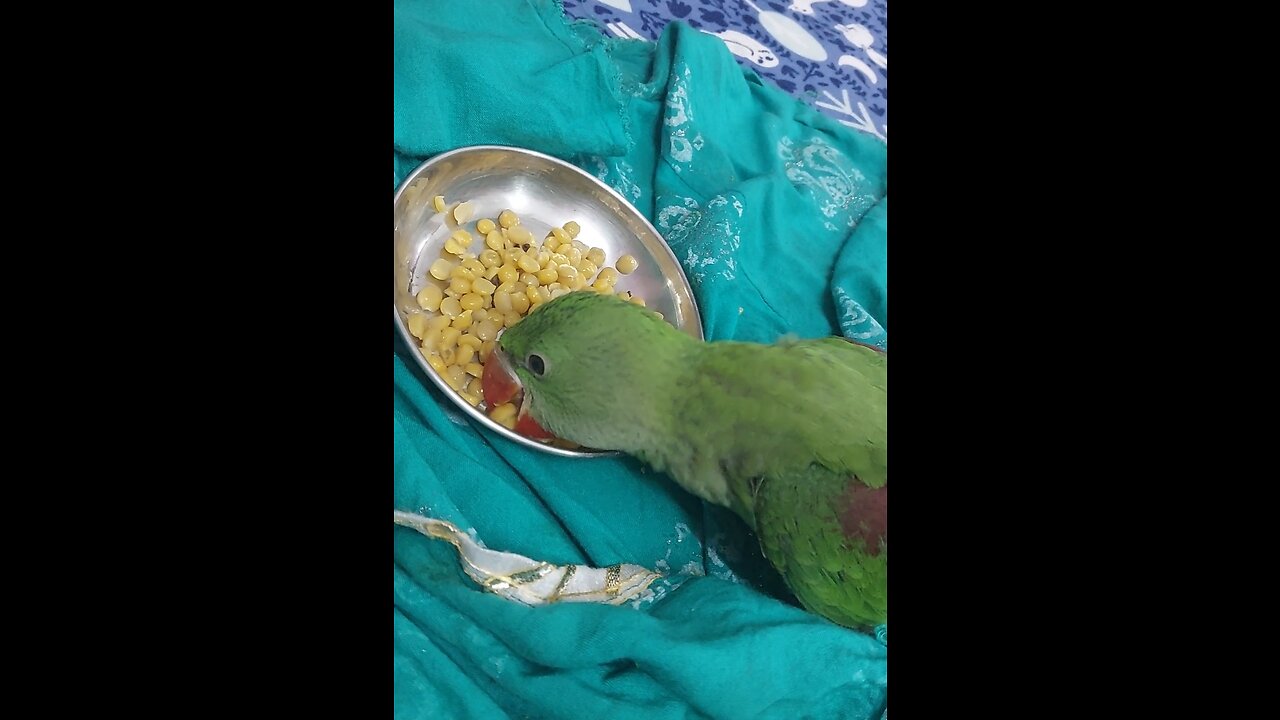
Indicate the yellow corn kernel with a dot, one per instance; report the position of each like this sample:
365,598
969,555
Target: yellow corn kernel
505,415
519,235
484,226
558,259
417,324
437,364
508,274
463,273
479,314
544,294
464,354
531,292
505,287
560,291
473,266
449,337
564,248
441,268
452,247
520,302
602,287
626,264
517,287
547,275
469,339
447,353
609,275
637,300
450,307
566,272
544,257
438,323
560,236
573,228
463,321
456,376
458,242
511,318
495,241
486,349
482,286
660,315
431,342
528,264
529,278
625,295
502,302
586,268
463,211
506,218
475,370
471,398
577,282
452,294
471,301
460,285
575,256
437,202
486,330
596,255
490,258
429,297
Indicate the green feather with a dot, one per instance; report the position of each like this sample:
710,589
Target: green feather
792,436
800,533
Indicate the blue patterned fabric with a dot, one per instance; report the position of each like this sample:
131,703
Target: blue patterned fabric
831,54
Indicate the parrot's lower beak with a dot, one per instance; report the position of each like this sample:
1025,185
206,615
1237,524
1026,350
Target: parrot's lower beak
501,385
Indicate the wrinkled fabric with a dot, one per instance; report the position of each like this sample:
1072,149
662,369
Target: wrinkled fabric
777,215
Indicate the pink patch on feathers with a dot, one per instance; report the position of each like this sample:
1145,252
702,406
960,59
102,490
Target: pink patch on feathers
864,513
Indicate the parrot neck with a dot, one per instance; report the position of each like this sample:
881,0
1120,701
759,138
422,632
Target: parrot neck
692,447
642,399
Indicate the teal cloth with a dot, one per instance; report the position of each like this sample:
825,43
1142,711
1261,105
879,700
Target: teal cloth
777,214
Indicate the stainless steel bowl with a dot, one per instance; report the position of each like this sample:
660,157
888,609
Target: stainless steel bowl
544,192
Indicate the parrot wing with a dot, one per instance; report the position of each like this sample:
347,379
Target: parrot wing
826,533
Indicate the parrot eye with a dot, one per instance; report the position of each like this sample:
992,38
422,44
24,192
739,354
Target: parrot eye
536,364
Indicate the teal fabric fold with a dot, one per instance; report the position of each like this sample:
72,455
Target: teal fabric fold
777,215
467,73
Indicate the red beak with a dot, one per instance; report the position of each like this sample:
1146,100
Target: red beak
501,385
527,426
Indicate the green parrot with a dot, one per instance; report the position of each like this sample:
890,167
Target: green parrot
790,436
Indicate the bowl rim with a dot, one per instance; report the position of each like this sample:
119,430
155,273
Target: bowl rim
475,413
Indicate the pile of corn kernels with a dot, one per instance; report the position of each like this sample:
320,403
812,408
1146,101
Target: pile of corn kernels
476,294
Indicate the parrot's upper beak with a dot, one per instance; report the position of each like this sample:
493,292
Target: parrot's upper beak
501,385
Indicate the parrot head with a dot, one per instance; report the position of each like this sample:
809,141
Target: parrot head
588,366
